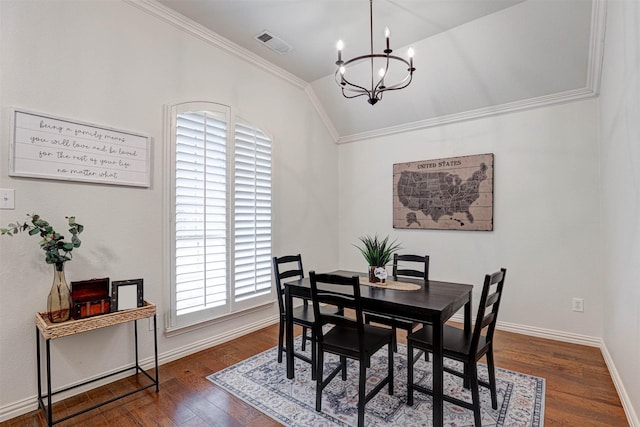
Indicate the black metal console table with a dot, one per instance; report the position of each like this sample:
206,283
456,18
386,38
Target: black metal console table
49,331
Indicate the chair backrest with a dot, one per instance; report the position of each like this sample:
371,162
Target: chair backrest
340,291
488,308
286,267
421,266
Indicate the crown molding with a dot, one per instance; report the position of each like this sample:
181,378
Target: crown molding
596,44
183,23
526,104
322,113
591,89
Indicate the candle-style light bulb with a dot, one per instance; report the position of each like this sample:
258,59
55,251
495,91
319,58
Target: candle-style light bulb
387,33
410,53
339,46
381,73
342,70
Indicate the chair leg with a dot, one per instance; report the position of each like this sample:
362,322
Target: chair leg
475,394
362,383
390,370
343,362
314,356
395,339
304,338
466,375
280,341
319,375
492,379
409,374
426,353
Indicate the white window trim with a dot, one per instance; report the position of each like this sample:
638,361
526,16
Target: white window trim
178,324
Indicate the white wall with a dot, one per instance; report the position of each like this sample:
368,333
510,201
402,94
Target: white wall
109,63
546,211
620,168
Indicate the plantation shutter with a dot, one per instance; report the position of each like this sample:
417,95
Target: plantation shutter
252,194
200,211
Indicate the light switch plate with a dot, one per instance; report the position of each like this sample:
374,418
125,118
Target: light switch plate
7,198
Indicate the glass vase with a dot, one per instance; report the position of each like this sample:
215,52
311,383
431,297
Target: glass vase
59,300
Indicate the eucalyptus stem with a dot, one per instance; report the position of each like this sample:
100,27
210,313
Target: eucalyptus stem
56,249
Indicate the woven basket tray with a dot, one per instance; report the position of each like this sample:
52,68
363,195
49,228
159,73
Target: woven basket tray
51,331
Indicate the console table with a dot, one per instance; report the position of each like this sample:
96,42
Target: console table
48,331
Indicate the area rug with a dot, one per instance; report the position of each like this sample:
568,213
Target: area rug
262,382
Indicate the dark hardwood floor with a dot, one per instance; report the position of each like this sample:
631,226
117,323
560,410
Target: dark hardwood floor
579,389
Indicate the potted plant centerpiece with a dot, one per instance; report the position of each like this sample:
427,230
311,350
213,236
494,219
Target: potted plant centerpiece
377,252
57,252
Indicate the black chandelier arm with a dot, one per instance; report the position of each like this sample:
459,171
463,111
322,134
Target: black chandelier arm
400,85
355,96
343,81
346,84
376,55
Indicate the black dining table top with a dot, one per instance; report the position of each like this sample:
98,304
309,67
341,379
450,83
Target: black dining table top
434,298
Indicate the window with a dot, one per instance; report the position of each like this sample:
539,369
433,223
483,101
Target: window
221,214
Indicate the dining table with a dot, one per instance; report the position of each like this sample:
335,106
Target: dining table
434,302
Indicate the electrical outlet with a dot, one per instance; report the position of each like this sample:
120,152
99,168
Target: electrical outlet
578,305
7,198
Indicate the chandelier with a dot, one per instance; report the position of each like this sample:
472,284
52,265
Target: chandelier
378,86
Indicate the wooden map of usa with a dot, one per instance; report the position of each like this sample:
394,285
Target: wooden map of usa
445,194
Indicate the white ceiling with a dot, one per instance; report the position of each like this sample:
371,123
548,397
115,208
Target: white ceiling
473,57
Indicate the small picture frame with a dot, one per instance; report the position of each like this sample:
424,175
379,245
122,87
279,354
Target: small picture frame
126,294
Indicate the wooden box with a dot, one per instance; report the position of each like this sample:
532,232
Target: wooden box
90,298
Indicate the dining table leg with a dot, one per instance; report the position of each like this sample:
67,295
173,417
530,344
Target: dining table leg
467,317
467,332
288,307
438,373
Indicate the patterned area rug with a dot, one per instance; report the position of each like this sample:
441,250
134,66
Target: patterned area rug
262,382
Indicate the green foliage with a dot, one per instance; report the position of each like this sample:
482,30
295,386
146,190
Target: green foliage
377,252
56,249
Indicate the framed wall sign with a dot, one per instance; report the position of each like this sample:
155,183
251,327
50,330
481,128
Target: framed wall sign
48,147
126,294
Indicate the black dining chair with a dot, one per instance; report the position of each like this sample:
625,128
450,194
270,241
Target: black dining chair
349,338
290,267
466,348
400,268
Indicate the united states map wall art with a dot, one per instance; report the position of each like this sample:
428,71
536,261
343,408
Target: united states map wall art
444,194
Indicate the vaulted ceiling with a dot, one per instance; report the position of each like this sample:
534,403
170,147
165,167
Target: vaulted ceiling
472,57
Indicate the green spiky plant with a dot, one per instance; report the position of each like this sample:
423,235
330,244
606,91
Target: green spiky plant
376,251
57,250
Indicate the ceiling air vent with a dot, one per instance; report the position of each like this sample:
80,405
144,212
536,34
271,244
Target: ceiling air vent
273,42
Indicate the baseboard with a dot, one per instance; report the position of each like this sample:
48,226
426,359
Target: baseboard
632,416
542,333
197,346
29,404
18,408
